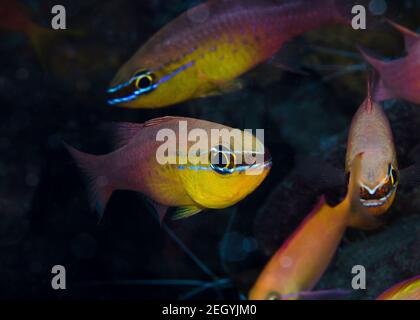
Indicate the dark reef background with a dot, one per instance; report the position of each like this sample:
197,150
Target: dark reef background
44,213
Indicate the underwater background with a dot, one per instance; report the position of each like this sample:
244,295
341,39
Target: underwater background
59,94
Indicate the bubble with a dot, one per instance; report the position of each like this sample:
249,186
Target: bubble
199,15
378,7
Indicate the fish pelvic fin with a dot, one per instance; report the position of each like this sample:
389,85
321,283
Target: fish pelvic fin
410,37
186,212
100,188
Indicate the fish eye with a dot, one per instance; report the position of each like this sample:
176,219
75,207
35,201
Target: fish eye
393,175
222,160
144,80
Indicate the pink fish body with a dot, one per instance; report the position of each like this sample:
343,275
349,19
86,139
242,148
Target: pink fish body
400,79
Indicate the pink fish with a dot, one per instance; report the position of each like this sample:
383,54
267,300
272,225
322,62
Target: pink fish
399,79
180,183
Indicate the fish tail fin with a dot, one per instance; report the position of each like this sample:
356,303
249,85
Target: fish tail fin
41,39
410,37
377,63
100,189
379,90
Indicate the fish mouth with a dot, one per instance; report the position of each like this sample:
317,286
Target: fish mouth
372,202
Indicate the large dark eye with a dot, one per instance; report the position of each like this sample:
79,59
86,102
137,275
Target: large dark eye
222,160
393,175
144,80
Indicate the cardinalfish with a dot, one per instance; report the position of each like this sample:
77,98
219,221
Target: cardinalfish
400,78
180,181
370,134
300,262
406,290
204,51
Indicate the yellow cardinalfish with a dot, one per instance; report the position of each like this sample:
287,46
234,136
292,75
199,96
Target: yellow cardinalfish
203,52
219,181
300,262
406,290
370,134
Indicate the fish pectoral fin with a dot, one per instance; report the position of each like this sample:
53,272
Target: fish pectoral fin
186,212
218,88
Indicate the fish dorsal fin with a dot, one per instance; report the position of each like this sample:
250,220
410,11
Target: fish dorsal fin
157,121
410,37
125,131
370,86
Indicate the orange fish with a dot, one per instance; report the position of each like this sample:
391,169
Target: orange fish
406,290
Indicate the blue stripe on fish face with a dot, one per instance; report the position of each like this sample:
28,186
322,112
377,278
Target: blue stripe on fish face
227,170
141,91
